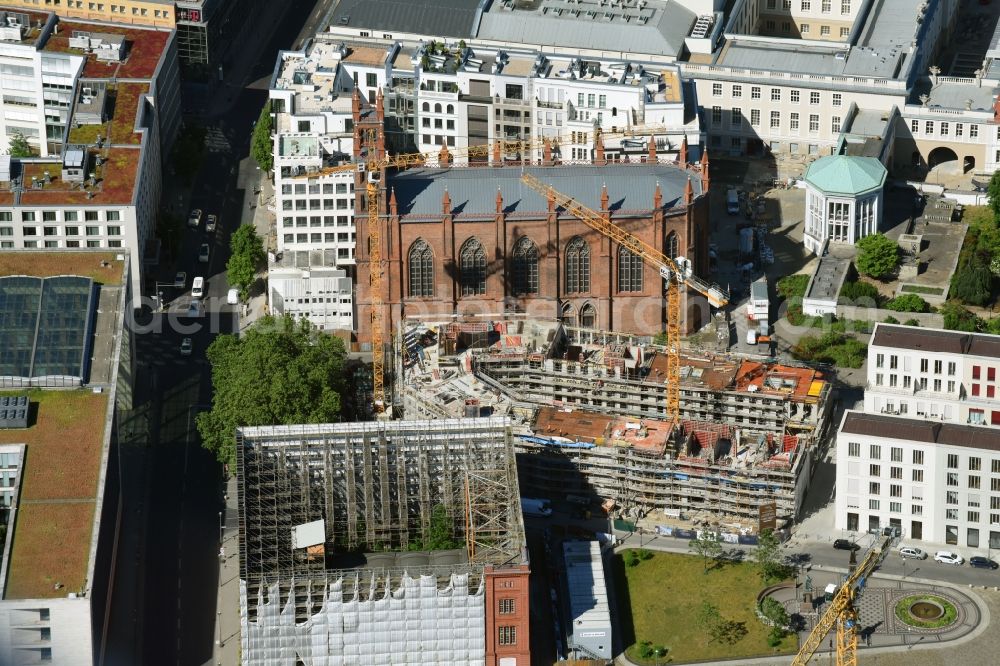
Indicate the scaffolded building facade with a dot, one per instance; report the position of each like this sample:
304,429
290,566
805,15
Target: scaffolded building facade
334,525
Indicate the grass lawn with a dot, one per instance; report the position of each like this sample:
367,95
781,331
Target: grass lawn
47,264
665,594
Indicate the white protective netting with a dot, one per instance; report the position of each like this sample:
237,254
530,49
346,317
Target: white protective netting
415,622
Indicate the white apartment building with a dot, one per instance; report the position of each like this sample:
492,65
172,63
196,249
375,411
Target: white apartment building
924,373
99,104
781,76
36,86
307,284
934,482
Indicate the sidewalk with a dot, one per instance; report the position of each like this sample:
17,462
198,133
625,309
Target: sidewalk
227,625
257,210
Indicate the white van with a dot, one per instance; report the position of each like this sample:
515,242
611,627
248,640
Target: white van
751,336
733,202
198,288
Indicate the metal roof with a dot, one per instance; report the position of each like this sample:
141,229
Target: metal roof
936,340
846,174
473,191
918,430
439,18
661,31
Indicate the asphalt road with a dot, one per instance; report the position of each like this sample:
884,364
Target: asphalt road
164,606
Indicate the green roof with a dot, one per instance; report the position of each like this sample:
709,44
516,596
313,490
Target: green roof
846,175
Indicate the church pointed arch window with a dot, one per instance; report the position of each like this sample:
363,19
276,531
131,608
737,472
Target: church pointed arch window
524,267
577,266
421,269
629,270
472,268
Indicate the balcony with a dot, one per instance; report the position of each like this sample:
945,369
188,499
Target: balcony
549,105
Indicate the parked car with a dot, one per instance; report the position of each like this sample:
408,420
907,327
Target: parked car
948,557
233,296
844,544
186,347
910,553
194,218
194,308
210,223
982,563
181,279
203,253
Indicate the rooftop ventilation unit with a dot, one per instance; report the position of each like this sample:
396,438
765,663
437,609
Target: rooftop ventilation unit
701,27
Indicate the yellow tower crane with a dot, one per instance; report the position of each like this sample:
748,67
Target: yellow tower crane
842,613
674,271
372,168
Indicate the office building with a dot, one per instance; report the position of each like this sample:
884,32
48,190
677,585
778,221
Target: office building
60,504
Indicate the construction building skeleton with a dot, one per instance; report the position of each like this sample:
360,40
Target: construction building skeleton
341,560
590,416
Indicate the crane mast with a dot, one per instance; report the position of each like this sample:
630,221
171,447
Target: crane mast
675,272
375,278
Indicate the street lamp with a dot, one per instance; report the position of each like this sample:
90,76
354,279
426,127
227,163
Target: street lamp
222,534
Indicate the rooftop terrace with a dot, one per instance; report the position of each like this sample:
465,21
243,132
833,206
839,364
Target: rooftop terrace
143,50
122,107
114,185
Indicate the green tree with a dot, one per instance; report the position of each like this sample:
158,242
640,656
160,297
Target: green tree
767,557
261,145
774,611
908,303
279,371
957,318
440,534
973,282
792,286
993,194
878,256
247,254
19,146
707,545
860,293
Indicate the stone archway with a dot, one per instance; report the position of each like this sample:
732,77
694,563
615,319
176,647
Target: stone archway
941,155
968,163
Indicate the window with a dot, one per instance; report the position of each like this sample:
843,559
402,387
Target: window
716,115
806,5
914,126
755,117
917,510
879,360
951,497
874,451
421,269
896,454
736,117
975,464
114,231
804,28
755,92
995,466
937,386
716,92
737,90
825,6
835,124
973,131
972,536
794,95
952,461
874,470
506,606
874,488
929,127
507,635
853,449
577,266
525,267
895,507
974,482
845,6
813,122
824,30
814,98
879,379
952,478
895,472
895,490
793,122
629,270
473,268
873,505
951,514
775,119
371,80
838,99
673,245
918,476
602,101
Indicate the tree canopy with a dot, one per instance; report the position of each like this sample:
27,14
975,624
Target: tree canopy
877,257
19,146
993,194
280,371
261,146
247,253
767,556
973,282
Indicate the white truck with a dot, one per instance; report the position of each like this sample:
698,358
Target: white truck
541,508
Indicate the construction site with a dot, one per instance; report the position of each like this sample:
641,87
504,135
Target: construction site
381,543
590,416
